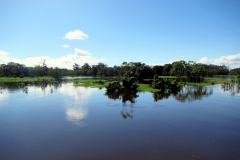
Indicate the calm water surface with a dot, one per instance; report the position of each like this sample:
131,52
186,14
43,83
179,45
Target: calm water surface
67,122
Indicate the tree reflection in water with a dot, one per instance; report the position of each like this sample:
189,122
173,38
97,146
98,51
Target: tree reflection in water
127,96
233,89
191,93
164,94
14,86
187,93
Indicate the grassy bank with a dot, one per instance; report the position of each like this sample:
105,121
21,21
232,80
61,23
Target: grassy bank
100,83
223,76
170,77
26,79
145,87
94,83
216,79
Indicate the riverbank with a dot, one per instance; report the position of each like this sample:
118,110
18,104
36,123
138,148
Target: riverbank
26,79
101,83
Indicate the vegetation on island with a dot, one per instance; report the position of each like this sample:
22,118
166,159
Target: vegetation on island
181,72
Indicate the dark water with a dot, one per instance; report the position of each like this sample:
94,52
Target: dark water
67,122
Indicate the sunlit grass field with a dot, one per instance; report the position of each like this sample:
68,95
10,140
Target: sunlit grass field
25,79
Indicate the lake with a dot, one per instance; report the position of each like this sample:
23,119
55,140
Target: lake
61,121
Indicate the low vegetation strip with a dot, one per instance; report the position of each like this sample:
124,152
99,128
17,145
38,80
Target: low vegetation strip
26,79
94,83
170,77
146,87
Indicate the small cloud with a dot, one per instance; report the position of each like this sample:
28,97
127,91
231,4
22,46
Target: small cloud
77,34
65,46
3,55
233,61
80,52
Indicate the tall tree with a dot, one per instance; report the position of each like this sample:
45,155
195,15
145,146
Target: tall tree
199,72
76,69
55,73
166,69
178,69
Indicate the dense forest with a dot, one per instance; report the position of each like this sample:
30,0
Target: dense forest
181,69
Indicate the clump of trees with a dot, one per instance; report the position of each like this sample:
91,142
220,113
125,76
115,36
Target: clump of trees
196,72
19,70
164,84
127,85
14,70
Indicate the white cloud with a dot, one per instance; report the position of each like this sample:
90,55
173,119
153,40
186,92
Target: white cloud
79,56
233,61
65,46
80,52
3,55
174,60
77,34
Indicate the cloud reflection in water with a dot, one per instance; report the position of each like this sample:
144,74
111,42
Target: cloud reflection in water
77,109
76,113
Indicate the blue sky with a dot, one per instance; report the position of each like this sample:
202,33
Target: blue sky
111,31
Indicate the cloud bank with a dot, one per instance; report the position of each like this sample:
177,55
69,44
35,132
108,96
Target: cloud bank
77,34
233,61
79,56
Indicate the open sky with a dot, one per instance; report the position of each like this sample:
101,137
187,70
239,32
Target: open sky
112,31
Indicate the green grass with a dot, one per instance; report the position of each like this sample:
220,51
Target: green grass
167,77
171,77
146,87
196,84
223,76
94,83
90,80
25,79
218,81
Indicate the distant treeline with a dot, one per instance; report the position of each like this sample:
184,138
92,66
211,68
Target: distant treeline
191,70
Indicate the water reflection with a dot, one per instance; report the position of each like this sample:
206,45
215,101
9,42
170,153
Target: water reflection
76,113
122,96
3,95
163,94
231,88
187,93
128,96
125,113
27,87
191,93
77,109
